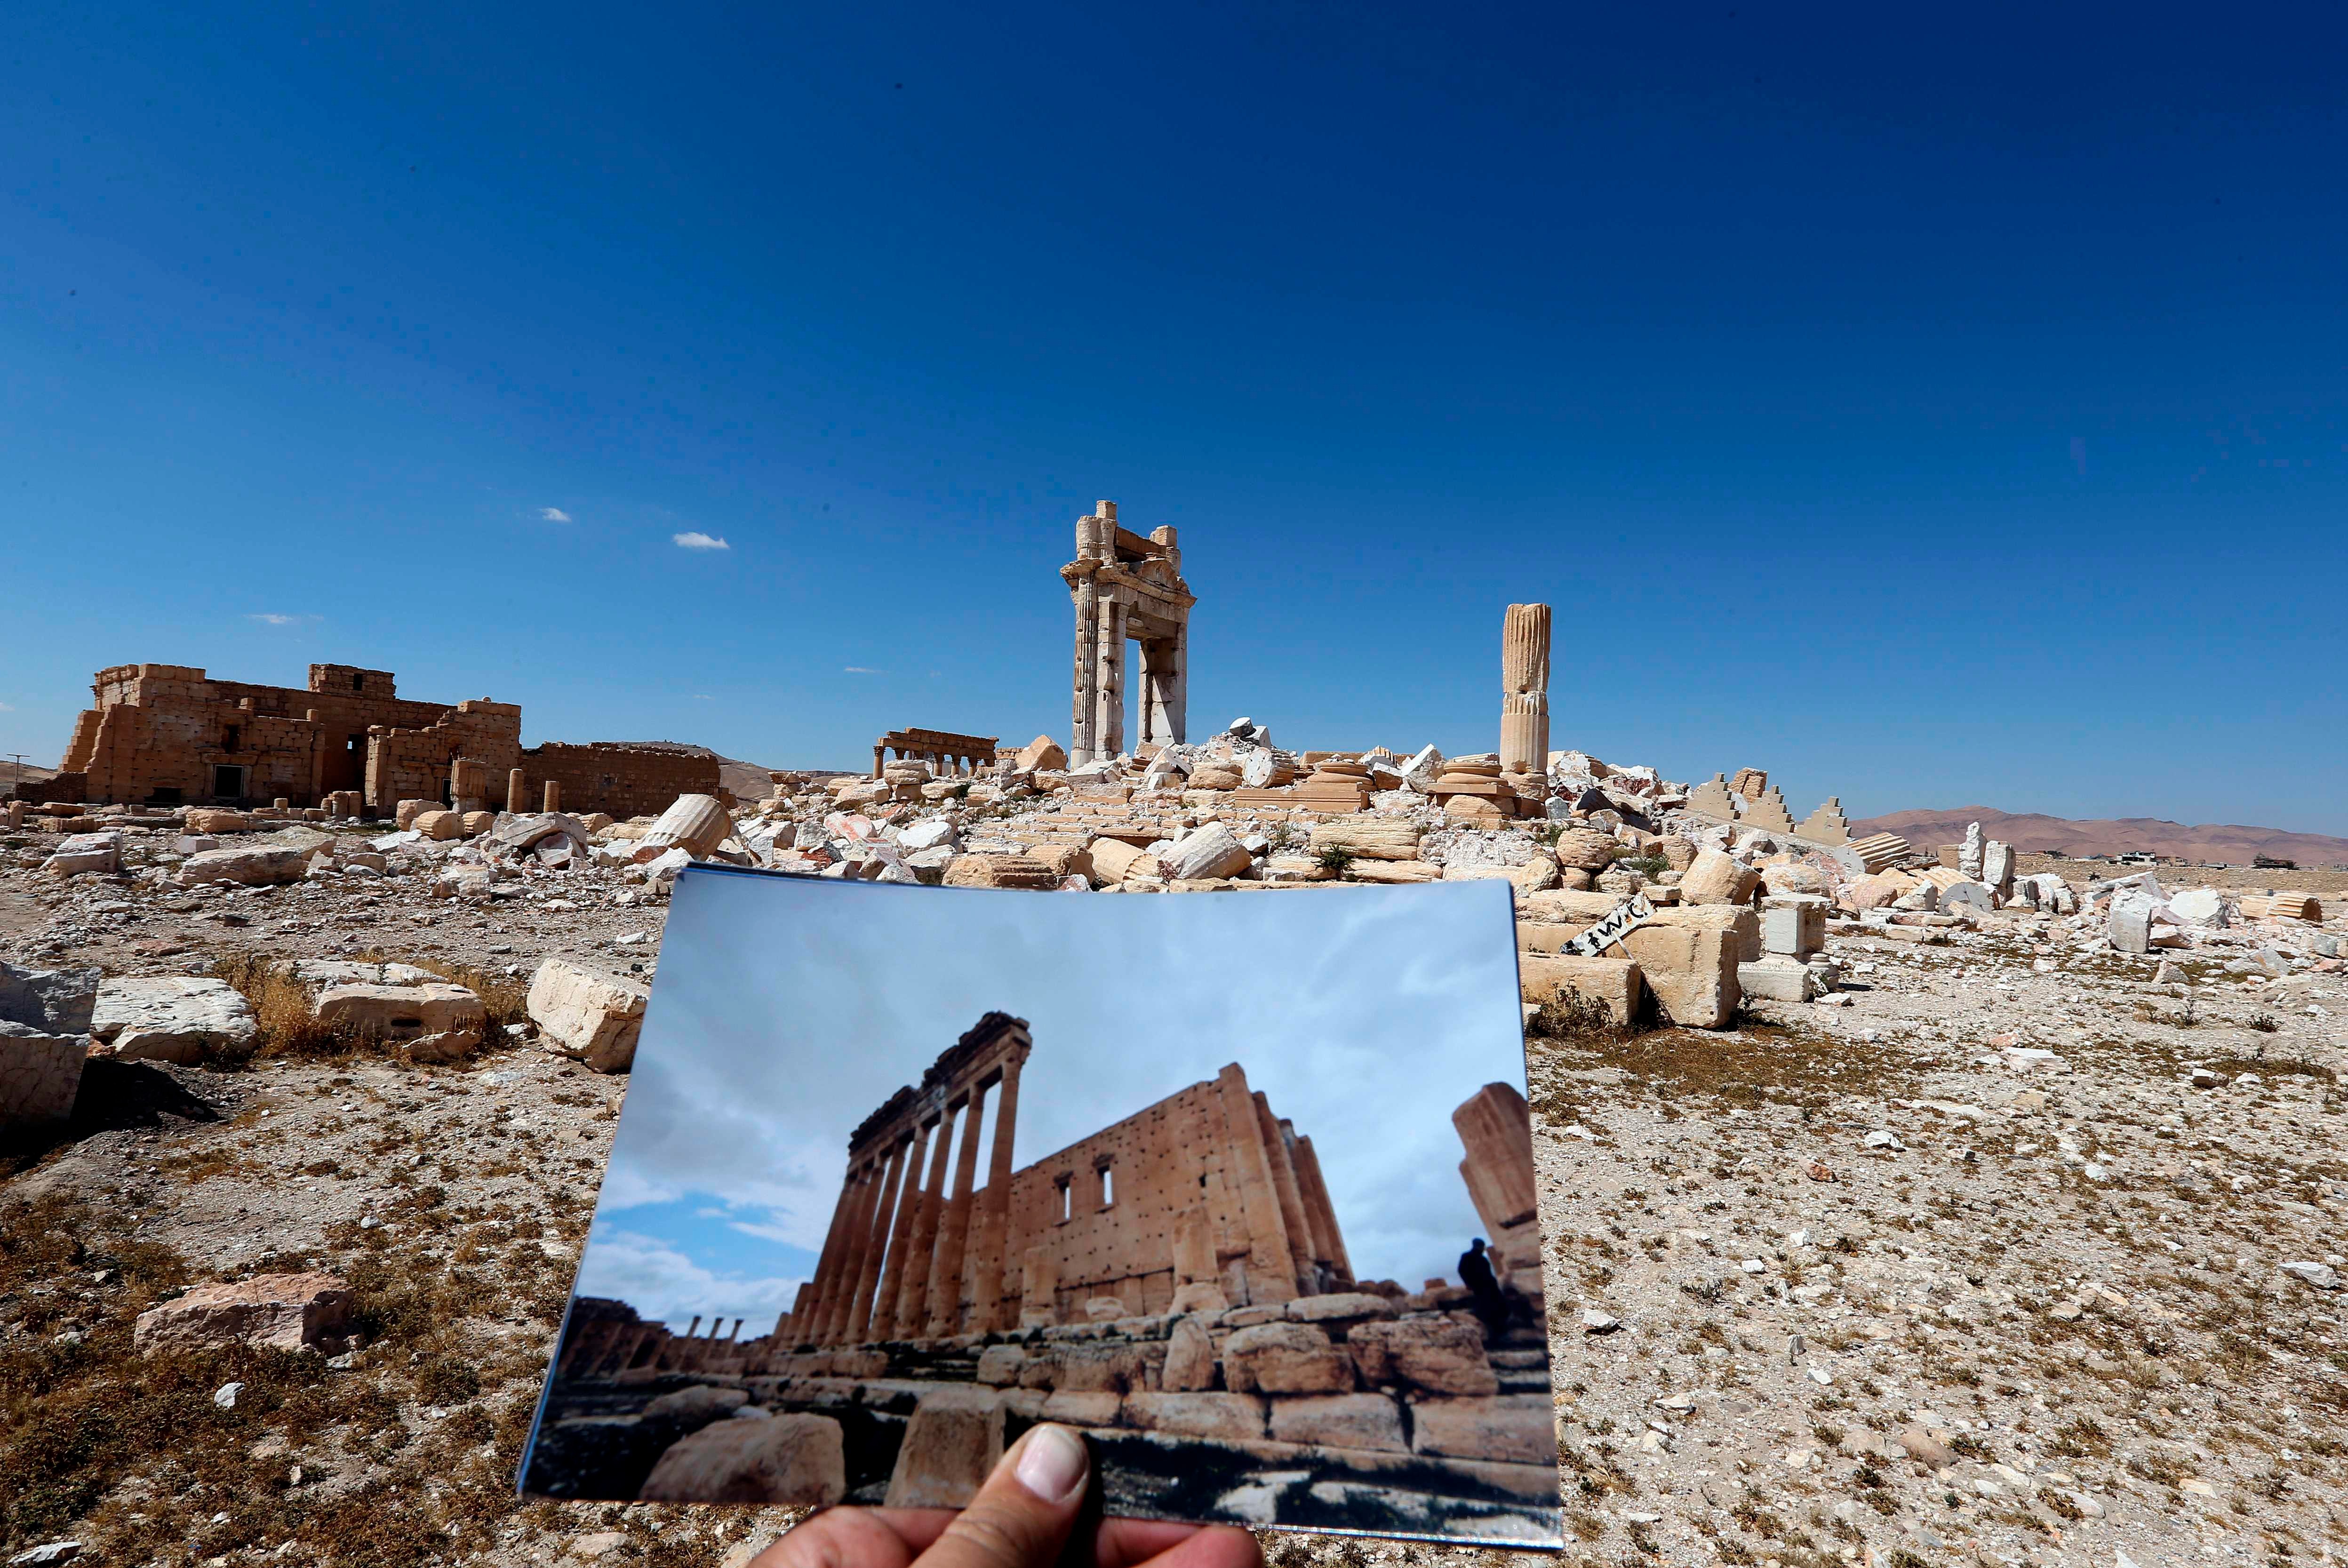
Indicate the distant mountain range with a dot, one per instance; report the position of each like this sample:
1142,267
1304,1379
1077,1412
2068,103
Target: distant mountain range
2218,844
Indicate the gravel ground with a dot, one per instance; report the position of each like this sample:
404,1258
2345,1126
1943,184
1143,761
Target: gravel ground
1854,1282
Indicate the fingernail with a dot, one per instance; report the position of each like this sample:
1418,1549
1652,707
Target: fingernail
1053,1463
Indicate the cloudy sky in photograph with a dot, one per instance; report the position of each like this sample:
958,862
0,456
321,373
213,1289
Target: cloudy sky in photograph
786,1009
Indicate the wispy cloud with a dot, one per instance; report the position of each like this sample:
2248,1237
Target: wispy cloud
698,540
6,708
859,670
702,696
553,514
268,618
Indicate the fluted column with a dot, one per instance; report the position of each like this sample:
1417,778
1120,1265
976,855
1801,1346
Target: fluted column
994,1233
859,1313
1308,1172
1524,687
954,1230
851,1255
892,1278
913,1297
809,1325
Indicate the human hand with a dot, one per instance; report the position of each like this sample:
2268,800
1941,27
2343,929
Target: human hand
1020,1519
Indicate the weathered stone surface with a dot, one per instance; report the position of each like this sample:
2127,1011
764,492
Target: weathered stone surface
1437,1354
594,1017
1113,860
1778,979
1585,849
1000,871
1613,984
1339,1306
697,1406
1339,1420
439,825
788,1458
953,1440
1285,1358
1715,877
174,1019
1207,851
1189,1358
1229,1417
48,1001
1040,753
1394,871
1793,930
250,865
220,819
84,852
999,1365
1689,958
1083,1407
436,1022
1520,1428
280,1312
1368,838
40,1074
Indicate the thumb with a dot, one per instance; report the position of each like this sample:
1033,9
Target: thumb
1022,1516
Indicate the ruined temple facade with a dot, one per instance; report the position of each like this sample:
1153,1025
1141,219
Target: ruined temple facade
171,735
1127,587
1203,1200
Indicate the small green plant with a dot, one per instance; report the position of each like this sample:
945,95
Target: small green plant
2264,1023
1334,858
1648,865
1282,838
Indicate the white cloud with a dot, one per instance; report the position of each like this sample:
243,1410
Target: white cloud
858,670
553,514
6,708
663,1283
702,696
698,540
268,618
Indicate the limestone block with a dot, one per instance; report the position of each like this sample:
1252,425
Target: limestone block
1339,1307
1039,754
1207,851
1515,1429
1567,905
1437,1353
440,826
1339,1420
1778,979
82,853
1216,777
1997,865
175,1018
254,865
1369,838
999,870
449,1017
697,1406
1586,849
215,819
1786,880
1227,1418
1877,892
934,833
2130,924
1114,861
278,1312
1691,969
1715,877
1613,984
48,1001
1795,930
1285,1358
40,1074
1394,871
316,975
1189,1358
1548,935
2199,906
473,824
594,1017
999,1365
1680,853
788,1458
696,824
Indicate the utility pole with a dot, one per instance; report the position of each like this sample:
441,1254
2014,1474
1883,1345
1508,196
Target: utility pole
19,783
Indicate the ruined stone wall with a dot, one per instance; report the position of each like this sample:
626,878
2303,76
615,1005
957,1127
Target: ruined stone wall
622,780
1205,1193
413,764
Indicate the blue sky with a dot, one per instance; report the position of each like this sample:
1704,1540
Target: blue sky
1930,409
787,1009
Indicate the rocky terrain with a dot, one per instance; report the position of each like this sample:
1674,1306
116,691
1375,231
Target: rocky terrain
2002,1250
2227,844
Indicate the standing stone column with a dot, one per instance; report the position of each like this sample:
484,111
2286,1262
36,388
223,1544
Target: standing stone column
553,797
810,1322
884,1316
1086,686
1308,1172
851,1256
913,1297
1108,720
516,800
953,1233
1271,1270
859,1312
1291,1197
1524,686
995,1234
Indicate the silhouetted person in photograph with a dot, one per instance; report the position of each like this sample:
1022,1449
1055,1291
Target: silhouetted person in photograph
1476,1274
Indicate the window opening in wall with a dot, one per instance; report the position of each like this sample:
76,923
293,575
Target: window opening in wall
230,736
1064,1189
1107,1185
358,683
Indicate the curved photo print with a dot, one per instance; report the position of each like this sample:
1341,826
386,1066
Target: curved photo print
1241,1186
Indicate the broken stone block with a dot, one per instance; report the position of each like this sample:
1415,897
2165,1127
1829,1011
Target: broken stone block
999,1365
1368,838
1207,851
1395,871
219,820
434,1022
185,1019
48,1001
251,865
1339,1420
1437,1353
593,1017
277,1312
84,852
1419,774
696,824
1189,1358
1585,849
1000,871
1286,1358
952,1442
1691,969
1038,754
1715,877
936,832
697,1406
40,1074
1518,1429
1612,983
1970,853
439,825
1795,930
787,1458
1778,979
2130,925
1225,1417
